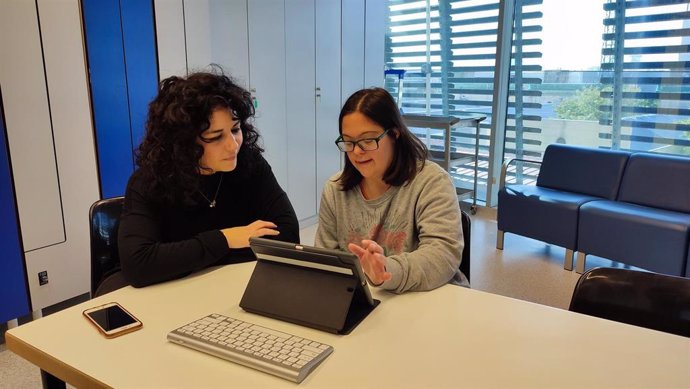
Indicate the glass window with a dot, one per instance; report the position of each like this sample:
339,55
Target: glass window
447,50
597,73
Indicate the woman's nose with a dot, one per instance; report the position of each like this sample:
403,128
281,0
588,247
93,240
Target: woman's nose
231,144
358,150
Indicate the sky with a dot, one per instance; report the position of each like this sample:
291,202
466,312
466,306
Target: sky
572,33
565,43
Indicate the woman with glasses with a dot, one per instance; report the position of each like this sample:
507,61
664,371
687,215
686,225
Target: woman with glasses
202,187
391,207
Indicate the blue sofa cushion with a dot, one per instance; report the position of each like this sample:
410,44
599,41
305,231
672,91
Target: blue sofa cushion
645,237
594,172
659,181
540,213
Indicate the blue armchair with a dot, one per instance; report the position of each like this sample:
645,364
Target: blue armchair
648,225
569,177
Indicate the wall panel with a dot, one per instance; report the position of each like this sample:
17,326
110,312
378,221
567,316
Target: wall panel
123,72
267,75
374,42
67,263
352,49
328,74
13,288
106,61
29,125
216,33
300,62
138,35
170,36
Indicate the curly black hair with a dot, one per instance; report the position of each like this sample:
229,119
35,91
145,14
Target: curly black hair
168,157
380,107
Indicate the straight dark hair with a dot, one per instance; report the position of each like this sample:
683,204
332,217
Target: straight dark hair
409,151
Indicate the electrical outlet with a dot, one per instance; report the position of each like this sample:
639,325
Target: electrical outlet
43,277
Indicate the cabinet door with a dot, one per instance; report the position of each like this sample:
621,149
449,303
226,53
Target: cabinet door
328,72
374,42
267,80
45,98
216,33
301,92
193,35
29,126
13,288
170,38
353,16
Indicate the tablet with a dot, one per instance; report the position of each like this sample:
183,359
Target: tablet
316,287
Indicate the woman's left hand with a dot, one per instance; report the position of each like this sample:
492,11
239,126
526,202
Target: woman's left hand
373,261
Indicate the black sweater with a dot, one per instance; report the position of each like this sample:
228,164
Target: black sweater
160,242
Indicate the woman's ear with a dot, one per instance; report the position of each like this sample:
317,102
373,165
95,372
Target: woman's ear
397,133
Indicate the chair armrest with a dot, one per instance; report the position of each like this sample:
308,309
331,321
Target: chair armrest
506,164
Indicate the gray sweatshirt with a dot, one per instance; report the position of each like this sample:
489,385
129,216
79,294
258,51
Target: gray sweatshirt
417,225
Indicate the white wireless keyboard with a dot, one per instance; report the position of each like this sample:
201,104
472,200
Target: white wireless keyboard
284,355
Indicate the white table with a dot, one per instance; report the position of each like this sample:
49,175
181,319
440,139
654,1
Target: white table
450,337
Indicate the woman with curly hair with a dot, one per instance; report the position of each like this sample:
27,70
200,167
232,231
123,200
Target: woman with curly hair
202,187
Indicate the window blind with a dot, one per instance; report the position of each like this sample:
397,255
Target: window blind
645,65
448,50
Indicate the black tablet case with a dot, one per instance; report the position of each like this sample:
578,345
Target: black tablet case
314,298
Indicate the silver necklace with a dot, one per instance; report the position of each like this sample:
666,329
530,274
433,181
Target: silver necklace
212,204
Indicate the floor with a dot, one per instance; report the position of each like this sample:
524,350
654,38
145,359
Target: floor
526,269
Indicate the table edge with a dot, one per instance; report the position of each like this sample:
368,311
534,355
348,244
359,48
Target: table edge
50,364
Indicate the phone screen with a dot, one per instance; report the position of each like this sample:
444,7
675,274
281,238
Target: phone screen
111,318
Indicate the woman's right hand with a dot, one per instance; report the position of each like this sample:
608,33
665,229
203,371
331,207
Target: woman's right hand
373,261
238,237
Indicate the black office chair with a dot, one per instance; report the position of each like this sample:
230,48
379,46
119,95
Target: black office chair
105,260
657,301
466,232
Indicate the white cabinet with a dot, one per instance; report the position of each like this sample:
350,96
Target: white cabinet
51,144
328,99
170,38
353,59
192,35
374,42
300,68
267,80
29,126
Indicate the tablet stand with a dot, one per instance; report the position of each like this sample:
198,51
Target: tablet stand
314,298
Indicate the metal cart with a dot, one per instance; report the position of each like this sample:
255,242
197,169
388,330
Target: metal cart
445,154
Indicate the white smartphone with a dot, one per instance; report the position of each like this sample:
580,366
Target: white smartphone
112,320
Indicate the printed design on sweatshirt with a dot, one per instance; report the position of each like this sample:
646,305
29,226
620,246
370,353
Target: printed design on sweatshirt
392,241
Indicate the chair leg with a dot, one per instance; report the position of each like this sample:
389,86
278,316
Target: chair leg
580,262
568,262
499,240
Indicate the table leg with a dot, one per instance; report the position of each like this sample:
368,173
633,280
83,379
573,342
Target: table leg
51,382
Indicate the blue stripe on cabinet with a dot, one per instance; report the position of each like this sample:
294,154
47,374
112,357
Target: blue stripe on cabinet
141,61
14,292
103,34
123,73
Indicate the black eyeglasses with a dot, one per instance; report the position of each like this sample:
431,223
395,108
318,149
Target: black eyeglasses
366,144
